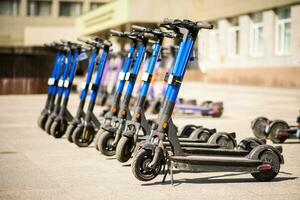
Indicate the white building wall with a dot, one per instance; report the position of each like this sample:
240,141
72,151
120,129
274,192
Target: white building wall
244,59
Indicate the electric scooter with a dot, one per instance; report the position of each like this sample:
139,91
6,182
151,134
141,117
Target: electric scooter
60,84
263,161
109,138
80,114
277,130
52,83
84,133
114,109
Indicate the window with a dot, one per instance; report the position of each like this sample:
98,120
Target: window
256,35
95,5
39,8
214,43
9,7
283,31
70,9
233,38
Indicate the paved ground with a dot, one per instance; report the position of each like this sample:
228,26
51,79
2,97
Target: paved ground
34,165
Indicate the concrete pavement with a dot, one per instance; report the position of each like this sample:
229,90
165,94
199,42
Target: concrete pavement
34,165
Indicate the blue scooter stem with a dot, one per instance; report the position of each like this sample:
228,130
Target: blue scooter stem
99,75
150,68
57,59
89,74
179,68
71,75
58,73
65,74
136,68
126,67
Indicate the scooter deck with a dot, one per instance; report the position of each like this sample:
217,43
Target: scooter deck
197,145
216,152
217,161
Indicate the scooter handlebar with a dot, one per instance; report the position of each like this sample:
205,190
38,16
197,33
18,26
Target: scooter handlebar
116,33
204,25
138,28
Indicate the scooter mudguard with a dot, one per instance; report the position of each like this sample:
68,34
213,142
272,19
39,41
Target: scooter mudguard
255,153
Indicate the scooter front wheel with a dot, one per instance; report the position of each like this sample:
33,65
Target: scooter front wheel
259,127
96,140
140,166
70,131
83,136
124,149
105,143
42,121
58,128
275,128
49,124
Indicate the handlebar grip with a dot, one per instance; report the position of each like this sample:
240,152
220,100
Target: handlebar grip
138,28
204,25
116,33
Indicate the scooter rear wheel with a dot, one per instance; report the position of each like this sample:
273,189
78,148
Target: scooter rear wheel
124,149
275,128
140,168
105,144
249,143
268,157
187,130
223,140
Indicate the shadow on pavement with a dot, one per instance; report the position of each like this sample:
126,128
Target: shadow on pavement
213,180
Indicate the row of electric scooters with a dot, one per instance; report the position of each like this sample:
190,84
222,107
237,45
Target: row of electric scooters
155,146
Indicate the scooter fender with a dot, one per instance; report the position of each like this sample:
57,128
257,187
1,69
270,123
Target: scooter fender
129,134
148,146
255,153
109,129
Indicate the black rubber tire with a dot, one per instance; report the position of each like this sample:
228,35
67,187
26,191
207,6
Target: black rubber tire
42,121
156,107
268,156
219,106
259,126
78,133
124,149
275,127
104,144
96,139
70,131
204,135
48,124
249,143
223,140
139,163
58,129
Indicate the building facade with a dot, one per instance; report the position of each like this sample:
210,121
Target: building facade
25,25
254,42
